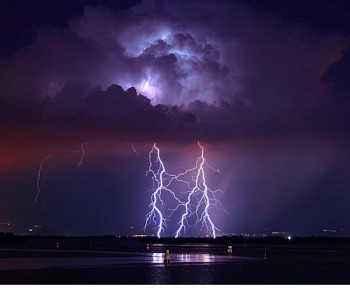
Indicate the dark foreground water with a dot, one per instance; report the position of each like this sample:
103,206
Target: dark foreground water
190,264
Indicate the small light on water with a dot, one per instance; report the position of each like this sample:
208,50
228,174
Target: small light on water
289,237
157,258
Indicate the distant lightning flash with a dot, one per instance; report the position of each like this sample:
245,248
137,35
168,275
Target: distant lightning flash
134,149
200,198
39,177
82,155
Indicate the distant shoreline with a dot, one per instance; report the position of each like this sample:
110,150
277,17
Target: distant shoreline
134,243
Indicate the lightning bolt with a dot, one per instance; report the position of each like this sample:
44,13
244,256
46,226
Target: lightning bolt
134,149
206,198
200,198
161,181
82,155
39,177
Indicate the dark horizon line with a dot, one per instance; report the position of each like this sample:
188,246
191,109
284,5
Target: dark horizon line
179,239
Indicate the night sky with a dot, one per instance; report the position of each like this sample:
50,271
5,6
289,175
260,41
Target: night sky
263,85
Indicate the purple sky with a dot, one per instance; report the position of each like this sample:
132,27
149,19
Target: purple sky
264,88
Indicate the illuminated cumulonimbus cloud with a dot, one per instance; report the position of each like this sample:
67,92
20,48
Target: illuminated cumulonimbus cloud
167,63
170,66
177,52
176,64
199,202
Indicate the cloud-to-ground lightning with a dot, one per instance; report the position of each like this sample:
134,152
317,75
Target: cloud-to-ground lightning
157,177
39,177
200,198
134,148
206,198
161,181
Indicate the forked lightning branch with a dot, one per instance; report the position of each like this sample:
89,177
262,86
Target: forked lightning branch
199,202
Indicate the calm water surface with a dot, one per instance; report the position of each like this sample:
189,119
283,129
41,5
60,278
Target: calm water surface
190,264
155,258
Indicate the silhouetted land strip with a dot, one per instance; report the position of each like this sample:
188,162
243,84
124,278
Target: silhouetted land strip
85,242
301,260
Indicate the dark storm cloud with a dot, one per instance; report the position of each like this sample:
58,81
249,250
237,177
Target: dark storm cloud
217,71
104,114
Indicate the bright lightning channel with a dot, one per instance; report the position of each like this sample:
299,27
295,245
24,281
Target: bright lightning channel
161,181
200,198
39,177
206,199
